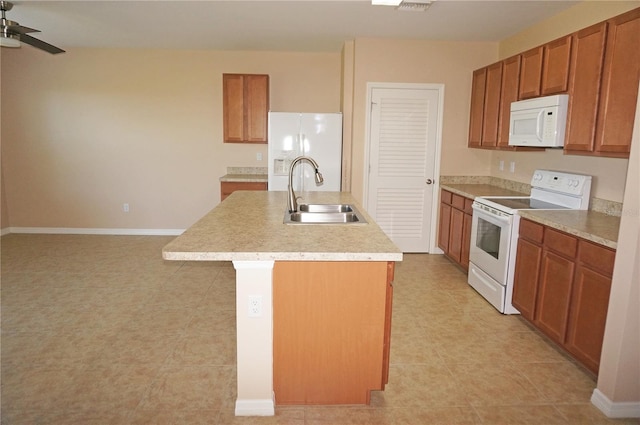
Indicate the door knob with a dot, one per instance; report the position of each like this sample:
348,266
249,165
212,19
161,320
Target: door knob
429,181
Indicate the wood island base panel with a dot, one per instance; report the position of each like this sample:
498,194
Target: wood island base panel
331,328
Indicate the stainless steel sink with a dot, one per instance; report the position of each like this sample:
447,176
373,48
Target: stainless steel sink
325,208
325,214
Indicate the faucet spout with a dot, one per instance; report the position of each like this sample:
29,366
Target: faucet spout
292,202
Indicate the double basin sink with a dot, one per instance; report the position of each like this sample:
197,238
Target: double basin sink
325,214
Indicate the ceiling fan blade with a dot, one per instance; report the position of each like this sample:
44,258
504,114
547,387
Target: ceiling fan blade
14,27
40,44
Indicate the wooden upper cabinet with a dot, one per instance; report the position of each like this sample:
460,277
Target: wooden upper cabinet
508,94
555,66
530,73
587,55
245,108
545,69
619,90
491,110
478,85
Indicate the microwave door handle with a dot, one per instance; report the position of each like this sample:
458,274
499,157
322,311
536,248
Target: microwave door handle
539,125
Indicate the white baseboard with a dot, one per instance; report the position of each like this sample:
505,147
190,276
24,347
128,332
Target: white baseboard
255,407
627,409
93,231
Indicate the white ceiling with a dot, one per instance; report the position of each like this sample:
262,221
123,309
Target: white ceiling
305,25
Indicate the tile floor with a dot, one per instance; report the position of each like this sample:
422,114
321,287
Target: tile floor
100,330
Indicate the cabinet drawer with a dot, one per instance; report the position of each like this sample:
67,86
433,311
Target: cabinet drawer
532,231
560,242
457,201
596,257
446,197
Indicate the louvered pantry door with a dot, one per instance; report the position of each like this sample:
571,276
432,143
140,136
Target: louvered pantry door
403,132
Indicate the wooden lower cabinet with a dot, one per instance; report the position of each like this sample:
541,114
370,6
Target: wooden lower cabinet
227,188
527,275
562,286
331,331
454,236
590,301
444,227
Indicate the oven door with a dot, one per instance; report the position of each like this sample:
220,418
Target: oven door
491,241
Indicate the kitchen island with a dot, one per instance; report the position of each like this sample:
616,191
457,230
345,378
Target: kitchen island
313,302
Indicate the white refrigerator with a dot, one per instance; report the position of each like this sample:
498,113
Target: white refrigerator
292,134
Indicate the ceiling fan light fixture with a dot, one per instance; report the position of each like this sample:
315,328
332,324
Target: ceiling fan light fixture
9,40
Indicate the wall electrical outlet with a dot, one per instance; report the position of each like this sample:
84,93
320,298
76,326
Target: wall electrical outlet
255,306
125,207
512,166
259,156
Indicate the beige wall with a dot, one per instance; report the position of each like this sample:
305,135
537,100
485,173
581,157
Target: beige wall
413,61
86,131
609,173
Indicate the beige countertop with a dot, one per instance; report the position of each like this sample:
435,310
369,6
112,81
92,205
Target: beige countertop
590,225
248,226
252,178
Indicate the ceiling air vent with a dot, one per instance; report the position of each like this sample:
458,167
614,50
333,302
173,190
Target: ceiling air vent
414,6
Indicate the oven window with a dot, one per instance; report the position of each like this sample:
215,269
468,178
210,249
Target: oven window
488,237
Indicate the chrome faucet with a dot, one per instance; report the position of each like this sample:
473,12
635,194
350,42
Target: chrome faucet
292,203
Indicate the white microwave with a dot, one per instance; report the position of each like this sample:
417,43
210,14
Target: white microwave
538,122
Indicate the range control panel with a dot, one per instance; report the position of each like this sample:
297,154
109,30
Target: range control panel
565,183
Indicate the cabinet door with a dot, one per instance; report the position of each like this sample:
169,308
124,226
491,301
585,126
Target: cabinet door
233,107
257,108
588,315
619,91
530,73
555,66
508,94
444,226
478,86
525,284
455,236
554,294
584,87
245,108
491,114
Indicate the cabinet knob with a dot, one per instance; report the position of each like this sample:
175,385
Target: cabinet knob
429,181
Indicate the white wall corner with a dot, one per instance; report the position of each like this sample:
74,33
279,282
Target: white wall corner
627,409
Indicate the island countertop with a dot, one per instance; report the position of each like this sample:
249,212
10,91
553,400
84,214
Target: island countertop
248,226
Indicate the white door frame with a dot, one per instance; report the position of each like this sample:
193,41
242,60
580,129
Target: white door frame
433,246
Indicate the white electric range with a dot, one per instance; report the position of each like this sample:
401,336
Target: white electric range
494,231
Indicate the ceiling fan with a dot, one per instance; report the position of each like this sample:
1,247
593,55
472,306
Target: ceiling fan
12,33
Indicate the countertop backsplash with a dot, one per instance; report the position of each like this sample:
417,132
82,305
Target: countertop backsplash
595,204
247,170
